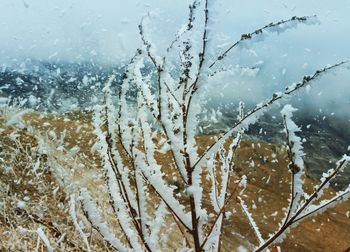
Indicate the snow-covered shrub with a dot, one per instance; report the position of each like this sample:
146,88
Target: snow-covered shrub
151,198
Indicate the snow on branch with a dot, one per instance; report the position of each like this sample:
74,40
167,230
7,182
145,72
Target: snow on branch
150,47
123,200
152,172
202,53
157,223
124,110
144,88
251,221
186,27
340,196
293,141
215,231
73,214
92,214
295,153
108,151
44,238
324,181
307,209
277,27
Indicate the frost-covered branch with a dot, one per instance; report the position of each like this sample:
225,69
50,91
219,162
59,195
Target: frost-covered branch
277,27
151,171
306,209
187,27
295,153
202,53
156,60
251,221
124,202
298,209
73,214
216,227
341,196
92,213
44,238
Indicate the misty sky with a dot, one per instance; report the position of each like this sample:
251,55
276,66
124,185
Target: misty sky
106,31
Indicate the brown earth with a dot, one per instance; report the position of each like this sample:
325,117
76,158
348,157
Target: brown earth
264,164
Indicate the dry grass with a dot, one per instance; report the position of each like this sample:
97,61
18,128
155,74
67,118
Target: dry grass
47,195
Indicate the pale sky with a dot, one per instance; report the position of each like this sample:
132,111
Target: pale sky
107,29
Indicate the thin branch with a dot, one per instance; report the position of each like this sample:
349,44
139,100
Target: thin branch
72,213
257,32
108,158
159,70
339,197
189,25
132,211
193,87
92,213
180,228
172,94
251,221
151,182
296,163
222,209
147,43
231,155
307,202
185,113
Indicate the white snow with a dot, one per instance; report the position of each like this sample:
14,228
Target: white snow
21,204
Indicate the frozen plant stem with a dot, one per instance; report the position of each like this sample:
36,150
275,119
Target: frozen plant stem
295,218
